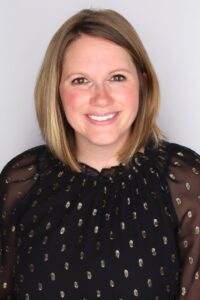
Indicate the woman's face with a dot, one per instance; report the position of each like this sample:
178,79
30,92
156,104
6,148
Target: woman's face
99,90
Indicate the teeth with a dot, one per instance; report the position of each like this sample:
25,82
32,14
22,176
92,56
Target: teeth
102,118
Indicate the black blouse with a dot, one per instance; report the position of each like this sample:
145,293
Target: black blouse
126,232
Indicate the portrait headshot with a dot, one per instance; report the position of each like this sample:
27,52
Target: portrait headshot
100,164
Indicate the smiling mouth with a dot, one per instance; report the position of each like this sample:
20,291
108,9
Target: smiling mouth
102,117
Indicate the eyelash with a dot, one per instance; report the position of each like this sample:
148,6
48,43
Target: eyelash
83,80
79,81
118,77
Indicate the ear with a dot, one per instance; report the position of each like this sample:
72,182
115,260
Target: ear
144,74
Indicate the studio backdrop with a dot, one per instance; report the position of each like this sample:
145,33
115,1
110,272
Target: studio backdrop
168,29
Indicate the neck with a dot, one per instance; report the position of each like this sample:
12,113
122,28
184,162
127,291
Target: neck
97,157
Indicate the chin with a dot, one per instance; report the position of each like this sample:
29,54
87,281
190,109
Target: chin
104,140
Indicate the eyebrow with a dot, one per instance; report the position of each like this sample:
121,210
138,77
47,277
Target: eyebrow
78,73
120,70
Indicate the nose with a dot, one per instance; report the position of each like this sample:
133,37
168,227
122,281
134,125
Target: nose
101,95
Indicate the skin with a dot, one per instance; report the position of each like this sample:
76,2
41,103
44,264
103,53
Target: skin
99,78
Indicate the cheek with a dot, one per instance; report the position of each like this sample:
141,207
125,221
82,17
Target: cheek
129,97
71,100
132,105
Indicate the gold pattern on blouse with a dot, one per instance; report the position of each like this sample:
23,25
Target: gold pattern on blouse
134,215
63,248
183,291
149,283
126,273
123,226
53,276
5,285
191,260
98,293
145,204
46,257
162,271
98,245
68,203
144,234
103,263
156,222
80,223
131,243
45,240
117,253
140,262
66,265
126,221
173,258
153,251
27,297
94,212
62,230
185,243
31,268
82,255
40,286
96,229
48,225
62,294
165,240
197,230
135,293
178,201
79,205
89,275
112,283
188,186
197,276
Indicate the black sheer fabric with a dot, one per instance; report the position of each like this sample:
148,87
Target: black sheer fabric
127,232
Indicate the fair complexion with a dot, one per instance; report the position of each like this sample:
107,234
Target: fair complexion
99,90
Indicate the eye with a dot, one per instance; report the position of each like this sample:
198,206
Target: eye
79,80
118,77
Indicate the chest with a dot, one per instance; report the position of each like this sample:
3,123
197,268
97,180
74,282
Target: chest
109,244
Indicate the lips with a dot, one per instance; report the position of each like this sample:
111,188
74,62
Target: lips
103,117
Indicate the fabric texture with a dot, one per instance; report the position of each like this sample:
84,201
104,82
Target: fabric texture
127,232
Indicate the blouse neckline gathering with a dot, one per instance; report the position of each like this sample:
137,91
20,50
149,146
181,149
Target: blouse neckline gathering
113,170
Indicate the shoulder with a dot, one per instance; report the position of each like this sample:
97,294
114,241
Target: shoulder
20,175
181,156
182,165
181,151
172,155
25,168
24,164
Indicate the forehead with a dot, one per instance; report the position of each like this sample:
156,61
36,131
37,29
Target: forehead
88,48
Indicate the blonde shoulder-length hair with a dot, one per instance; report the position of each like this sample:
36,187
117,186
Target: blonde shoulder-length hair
56,131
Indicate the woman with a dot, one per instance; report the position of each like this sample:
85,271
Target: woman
107,209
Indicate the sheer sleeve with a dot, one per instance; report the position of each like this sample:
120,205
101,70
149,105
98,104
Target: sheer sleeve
184,185
16,180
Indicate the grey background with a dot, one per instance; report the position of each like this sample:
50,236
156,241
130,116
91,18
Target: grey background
168,29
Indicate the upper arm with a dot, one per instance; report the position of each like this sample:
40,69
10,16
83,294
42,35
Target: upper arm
16,180
184,186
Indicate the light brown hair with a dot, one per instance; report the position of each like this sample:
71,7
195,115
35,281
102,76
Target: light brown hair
110,25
